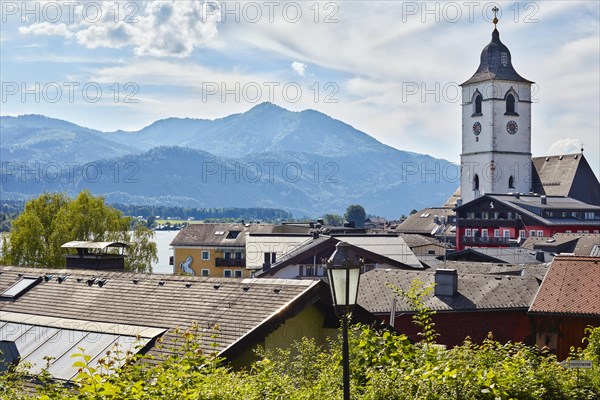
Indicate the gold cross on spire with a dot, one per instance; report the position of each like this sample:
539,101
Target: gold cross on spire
495,21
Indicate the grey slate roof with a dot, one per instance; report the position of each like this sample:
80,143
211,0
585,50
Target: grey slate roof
235,306
512,255
423,222
495,63
216,234
475,291
565,175
416,240
392,247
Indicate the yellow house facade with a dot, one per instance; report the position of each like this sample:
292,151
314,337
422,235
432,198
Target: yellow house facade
214,250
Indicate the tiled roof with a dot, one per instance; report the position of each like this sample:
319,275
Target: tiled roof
565,175
477,267
415,240
217,234
235,306
392,247
588,245
571,287
475,291
423,222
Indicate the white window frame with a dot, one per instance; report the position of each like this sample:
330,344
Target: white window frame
207,253
225,271
497,233
205,272
522,233
532,234
484,233
506,233
468,232
540,233
238,272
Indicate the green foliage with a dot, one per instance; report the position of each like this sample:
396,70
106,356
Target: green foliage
383,365
357,214
53,219
423,317
333,219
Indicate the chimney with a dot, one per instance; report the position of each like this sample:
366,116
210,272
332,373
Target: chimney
321,222
544,199
436,219
539,255
517,195
446,282
315,234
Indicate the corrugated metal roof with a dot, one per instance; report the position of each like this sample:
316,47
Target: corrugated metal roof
392,247
92,245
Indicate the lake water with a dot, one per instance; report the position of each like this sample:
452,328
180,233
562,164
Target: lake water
163,239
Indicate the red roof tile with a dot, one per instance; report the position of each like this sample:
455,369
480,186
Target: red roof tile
571,286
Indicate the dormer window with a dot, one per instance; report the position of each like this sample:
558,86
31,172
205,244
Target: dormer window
477,105
511,105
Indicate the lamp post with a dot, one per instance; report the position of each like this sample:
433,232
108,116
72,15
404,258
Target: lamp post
343,271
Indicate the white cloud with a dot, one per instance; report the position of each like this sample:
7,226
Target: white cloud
299,68
155,28
565,146
46,28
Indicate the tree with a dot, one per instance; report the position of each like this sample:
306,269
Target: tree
53,219
332,219
413,211
357,214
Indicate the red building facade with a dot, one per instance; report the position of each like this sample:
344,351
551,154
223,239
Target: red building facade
505,220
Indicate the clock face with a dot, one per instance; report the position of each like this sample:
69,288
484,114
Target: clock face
512,127
476,128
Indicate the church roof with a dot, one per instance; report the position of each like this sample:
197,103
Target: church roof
496,63
565,175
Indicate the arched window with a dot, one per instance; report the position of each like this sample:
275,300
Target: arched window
476,182
511,183
476,99
478,104
510,104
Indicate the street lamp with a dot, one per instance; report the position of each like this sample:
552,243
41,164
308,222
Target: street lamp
343,271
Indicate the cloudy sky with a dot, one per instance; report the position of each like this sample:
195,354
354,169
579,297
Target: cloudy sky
389,68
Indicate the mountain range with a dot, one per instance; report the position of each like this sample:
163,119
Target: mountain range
304,162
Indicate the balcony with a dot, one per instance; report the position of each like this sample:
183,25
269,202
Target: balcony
488,223
490,241
230,262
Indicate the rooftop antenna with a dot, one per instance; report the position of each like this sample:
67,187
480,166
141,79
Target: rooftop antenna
582,147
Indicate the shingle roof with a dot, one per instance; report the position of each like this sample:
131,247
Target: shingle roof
475,291
571,287
423,222
235,306
580,244
392,247
477,267
565,175
217,234
496,63
588,245
415,240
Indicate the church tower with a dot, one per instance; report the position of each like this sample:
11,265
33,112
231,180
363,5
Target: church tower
496,126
